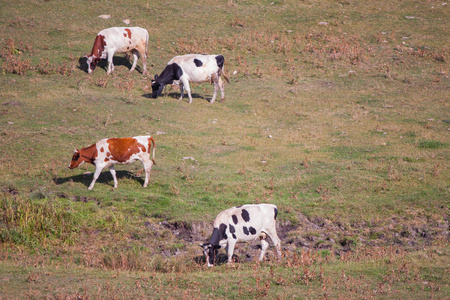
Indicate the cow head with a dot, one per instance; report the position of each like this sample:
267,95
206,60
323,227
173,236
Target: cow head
210,252
157,87
92,62
76,159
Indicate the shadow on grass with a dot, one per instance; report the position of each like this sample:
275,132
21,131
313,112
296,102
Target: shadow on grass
104,178
103,64
177,96
222,258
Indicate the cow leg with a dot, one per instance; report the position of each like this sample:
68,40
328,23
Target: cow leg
147,167
185,83
181,91
135,59
222,89
110,63
144,61
230,249
113,173
98,170
276,241
216,88
264,247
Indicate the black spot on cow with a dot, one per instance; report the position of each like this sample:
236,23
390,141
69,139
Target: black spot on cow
276,213
234,236
198,62
245,215
238,206
235,219
245,229
220,60
222,229
232,229
252,230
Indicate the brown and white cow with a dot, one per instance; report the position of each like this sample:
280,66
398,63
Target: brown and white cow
109,152
244,223
120,40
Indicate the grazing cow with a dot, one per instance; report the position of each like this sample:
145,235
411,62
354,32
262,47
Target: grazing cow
109,152
120,40
192,68
243,224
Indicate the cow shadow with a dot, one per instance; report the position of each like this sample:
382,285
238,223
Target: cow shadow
103,64
177,96
221,258
82,64
104,178
186,97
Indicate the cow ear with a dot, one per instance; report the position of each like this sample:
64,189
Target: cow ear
156,76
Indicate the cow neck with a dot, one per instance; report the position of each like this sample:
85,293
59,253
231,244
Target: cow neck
167,76
99,46
89,153
215,237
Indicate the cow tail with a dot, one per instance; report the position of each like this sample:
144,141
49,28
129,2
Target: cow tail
222,72
146,46
221,64
152,145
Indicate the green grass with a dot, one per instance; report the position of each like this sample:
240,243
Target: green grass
343,126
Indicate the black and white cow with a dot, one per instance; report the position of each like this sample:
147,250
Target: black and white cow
244,223
192,68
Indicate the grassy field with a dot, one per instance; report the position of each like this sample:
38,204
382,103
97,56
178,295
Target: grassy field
337,112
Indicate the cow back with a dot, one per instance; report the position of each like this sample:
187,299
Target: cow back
121,149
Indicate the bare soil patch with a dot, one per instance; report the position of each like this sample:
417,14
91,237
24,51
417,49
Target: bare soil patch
322,234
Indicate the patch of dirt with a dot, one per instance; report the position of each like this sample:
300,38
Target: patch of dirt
10,190
80,198
12,103
336,237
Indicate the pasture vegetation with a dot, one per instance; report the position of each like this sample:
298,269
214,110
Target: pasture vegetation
337,112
